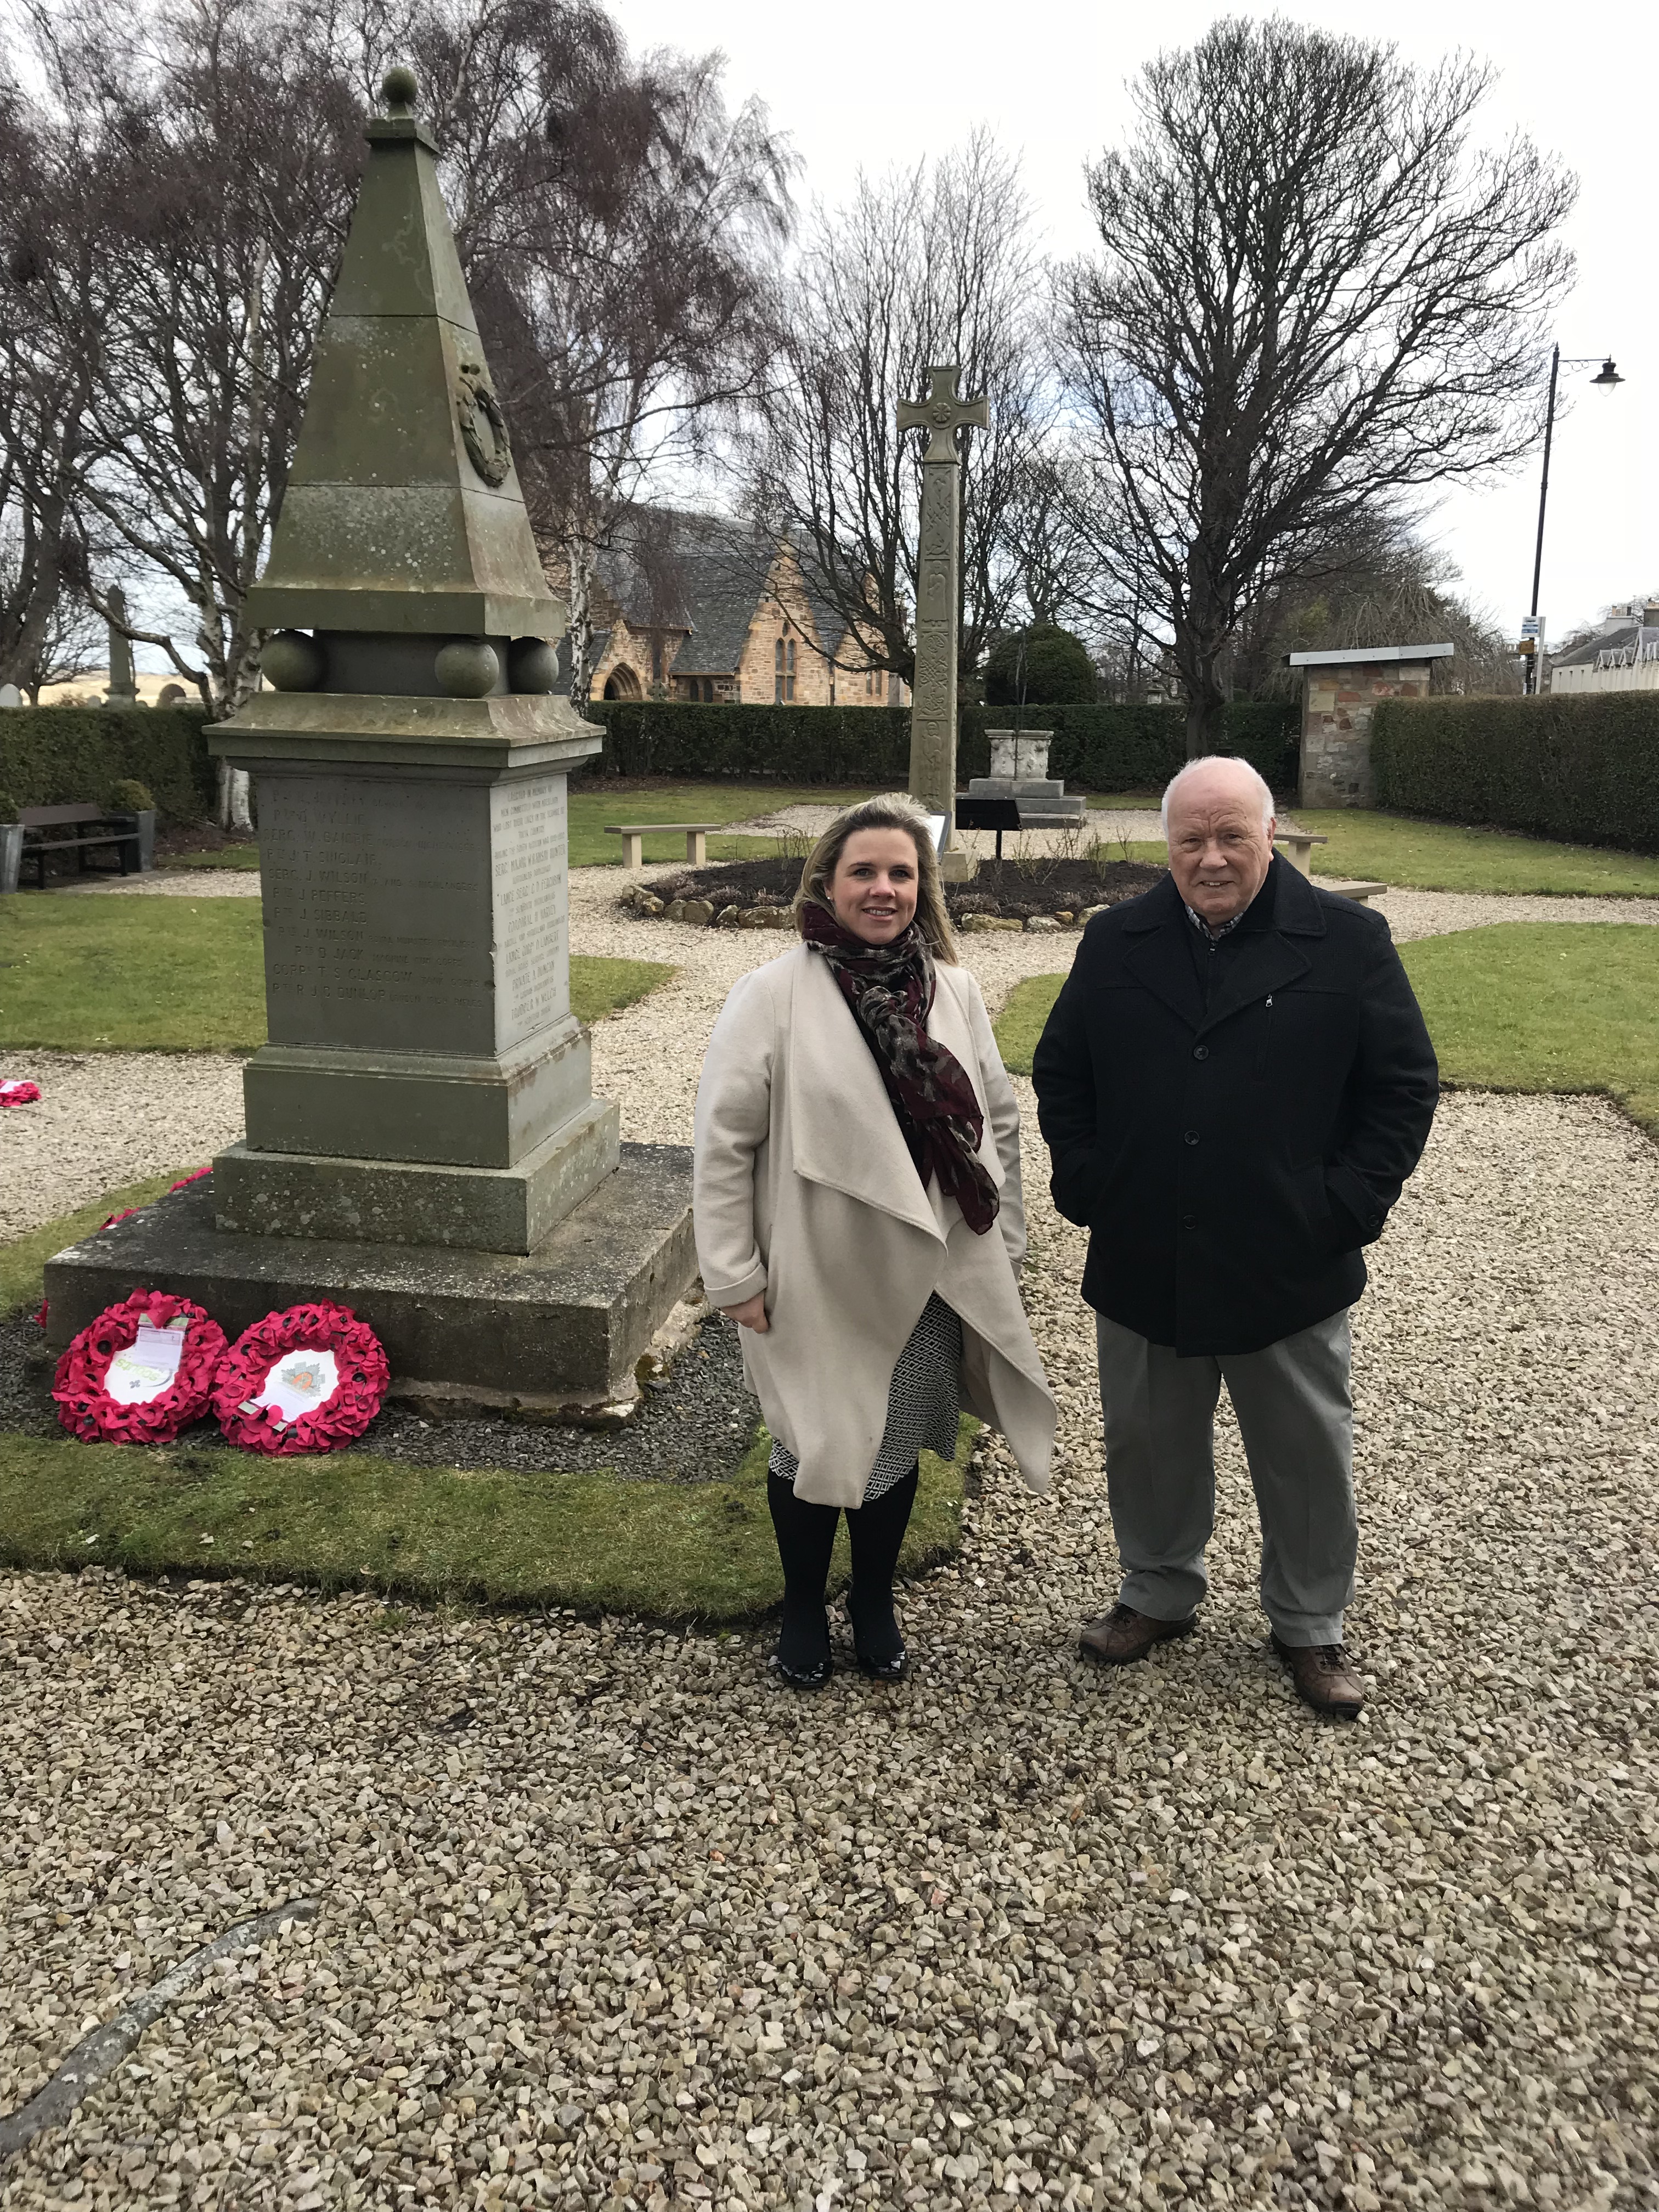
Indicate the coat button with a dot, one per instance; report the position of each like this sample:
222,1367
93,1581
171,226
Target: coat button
1192,1136
1189,1221
1200,1052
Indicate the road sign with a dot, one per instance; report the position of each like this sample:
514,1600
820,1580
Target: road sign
1531,625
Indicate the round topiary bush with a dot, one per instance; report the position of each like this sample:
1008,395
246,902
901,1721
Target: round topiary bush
128,796
1050,666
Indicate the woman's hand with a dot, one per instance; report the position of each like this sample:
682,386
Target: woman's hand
751,1314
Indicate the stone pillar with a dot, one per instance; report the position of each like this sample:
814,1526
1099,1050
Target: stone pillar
1339,691
939,594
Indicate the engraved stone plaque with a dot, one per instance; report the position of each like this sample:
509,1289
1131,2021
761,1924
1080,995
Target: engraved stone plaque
377,924
528,850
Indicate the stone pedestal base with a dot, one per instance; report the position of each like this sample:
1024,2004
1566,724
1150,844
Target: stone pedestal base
958,865
260,1193
555,1333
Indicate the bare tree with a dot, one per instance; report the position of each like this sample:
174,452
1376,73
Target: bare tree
1376,584
52,305
1312,295
933,265
617,226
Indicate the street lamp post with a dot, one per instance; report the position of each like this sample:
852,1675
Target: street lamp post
1605,381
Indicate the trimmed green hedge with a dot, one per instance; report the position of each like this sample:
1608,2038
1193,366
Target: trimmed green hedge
1101,748
58,755
1583,768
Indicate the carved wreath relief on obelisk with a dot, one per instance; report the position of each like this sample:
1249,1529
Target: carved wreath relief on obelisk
933,689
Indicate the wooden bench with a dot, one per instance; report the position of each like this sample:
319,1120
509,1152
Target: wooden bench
97,830
1301,844
696,852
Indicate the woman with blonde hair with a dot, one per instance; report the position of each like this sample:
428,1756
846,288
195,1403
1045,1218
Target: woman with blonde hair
858,1215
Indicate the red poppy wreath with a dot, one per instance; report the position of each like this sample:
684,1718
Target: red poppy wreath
308,1379
143,1371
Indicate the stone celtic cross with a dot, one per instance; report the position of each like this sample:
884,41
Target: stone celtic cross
939,592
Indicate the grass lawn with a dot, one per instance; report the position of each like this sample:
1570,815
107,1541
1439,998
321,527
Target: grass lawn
1521,1006
678,1551
592,808
173,974
1443,856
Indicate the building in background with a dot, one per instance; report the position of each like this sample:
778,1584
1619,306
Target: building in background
1621,655
699,608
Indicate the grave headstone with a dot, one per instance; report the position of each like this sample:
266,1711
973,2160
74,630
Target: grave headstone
939,600
422,1141
10,696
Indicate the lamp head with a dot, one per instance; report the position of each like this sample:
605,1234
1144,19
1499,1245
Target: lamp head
1608,377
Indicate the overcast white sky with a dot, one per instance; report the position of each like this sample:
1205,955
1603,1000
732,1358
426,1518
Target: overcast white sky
864,83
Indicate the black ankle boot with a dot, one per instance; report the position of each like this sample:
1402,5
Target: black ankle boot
876,1532
807,1536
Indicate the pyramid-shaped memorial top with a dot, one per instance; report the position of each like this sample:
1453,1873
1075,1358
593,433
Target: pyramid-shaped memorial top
402,511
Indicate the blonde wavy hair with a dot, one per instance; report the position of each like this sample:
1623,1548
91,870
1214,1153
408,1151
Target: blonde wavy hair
932,918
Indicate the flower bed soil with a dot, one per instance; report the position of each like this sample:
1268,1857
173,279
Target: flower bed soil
1012,889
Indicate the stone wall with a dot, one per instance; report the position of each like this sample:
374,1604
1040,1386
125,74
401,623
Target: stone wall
1337,704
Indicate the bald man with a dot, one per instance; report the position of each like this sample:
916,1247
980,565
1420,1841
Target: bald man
1234,1084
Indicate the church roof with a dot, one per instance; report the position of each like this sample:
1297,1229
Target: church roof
706,576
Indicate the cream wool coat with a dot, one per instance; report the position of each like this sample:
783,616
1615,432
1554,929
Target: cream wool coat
805,1189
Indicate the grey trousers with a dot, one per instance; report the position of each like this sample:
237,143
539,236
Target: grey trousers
1295,1416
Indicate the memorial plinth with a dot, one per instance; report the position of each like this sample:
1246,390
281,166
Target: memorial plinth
423,1142
1019,772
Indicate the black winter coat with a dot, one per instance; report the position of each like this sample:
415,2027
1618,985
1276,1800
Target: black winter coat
1231,1160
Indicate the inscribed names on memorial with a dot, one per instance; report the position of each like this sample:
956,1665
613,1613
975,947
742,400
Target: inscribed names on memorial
532,927
378,928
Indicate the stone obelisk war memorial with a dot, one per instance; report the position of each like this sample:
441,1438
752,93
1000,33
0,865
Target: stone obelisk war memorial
422,1143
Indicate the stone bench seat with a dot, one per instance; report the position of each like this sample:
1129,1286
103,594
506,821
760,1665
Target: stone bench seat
631,833
1360,893
1301,843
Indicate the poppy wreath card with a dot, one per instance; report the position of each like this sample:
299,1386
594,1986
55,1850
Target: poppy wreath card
308,1379
140,1373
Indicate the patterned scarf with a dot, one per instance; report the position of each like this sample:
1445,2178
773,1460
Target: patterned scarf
890,988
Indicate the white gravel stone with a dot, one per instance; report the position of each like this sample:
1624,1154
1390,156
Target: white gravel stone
608,1918
105,1119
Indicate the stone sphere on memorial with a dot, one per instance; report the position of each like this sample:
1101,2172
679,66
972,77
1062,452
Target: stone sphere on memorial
397,88
532,664
466,668
291,661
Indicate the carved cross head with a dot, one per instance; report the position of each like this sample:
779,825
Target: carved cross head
942,414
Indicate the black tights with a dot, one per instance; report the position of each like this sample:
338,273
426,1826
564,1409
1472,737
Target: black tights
806,1536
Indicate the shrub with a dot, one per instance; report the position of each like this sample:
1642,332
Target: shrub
128,796
1100,747
1583,767
65,756
1053,665
9,807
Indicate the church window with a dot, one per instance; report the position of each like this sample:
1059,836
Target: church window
789,670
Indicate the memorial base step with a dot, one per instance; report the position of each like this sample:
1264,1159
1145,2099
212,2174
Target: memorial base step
266,1193
535,1333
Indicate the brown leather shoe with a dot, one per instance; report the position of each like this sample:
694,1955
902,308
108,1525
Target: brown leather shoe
1325,1678
1123,1635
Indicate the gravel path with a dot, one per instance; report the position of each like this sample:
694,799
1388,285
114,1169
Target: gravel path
603,1911
105,1119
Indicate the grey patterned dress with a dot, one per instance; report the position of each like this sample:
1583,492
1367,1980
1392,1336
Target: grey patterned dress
924,1404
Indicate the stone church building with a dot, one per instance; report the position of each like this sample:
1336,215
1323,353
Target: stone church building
699,607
